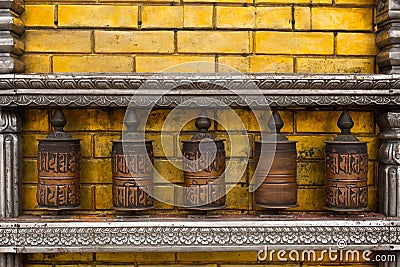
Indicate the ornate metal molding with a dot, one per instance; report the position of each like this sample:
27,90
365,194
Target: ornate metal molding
179,234
10,168
11,30
199,89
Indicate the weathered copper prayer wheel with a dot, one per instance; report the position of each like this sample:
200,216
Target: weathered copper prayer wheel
346,175
279,188
204,174
204,169
132,170
59,168
346,170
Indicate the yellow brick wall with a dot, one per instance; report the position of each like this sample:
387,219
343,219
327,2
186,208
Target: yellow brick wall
274,36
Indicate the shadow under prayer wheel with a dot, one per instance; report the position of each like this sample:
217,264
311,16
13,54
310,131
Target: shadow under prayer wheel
204,176
132,174
346,176
59,173
279,187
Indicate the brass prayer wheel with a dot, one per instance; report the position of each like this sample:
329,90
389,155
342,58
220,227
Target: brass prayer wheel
58,168
204,169
132,169
279,187
346,170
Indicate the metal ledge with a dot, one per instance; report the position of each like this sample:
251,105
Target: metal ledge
182,234
117,90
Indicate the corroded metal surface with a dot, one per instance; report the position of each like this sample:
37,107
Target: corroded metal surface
132,168
59,173
203,173
346,176
279,189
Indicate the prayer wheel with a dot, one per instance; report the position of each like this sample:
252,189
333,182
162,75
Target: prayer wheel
346,170
58,168
279,188
204,168
132,169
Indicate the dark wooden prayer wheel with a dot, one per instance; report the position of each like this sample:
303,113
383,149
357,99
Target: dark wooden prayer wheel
132,170
58,168
346,170
346,176
204,169
279,188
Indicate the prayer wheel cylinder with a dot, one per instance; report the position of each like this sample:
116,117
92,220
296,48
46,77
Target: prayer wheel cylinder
132,174
346,176
204,176
279,188
59,173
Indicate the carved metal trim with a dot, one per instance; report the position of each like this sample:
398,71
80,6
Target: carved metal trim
186,235
117,90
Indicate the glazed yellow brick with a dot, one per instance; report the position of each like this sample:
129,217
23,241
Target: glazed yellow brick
94,119
356,44
38,15
326,121
302,18
35,120
236,170
311,172
86,143
355,2
163,145
109,16
135,257
237,145
294,43
30,173
36,63
321,2
238,198
37,265
164,197
30,144
74,265
92,64
76,257
271,64
103,144
373,199
312,146
42,257
134,41
310,199
211,257
233,64
332,18
179,265
279,2
168,171
96,171
197,16
29,197
235,17
57,41
372,173
103,197
184,119
214,42
162,17
274,18
335,65
174,64
219,1
87,197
